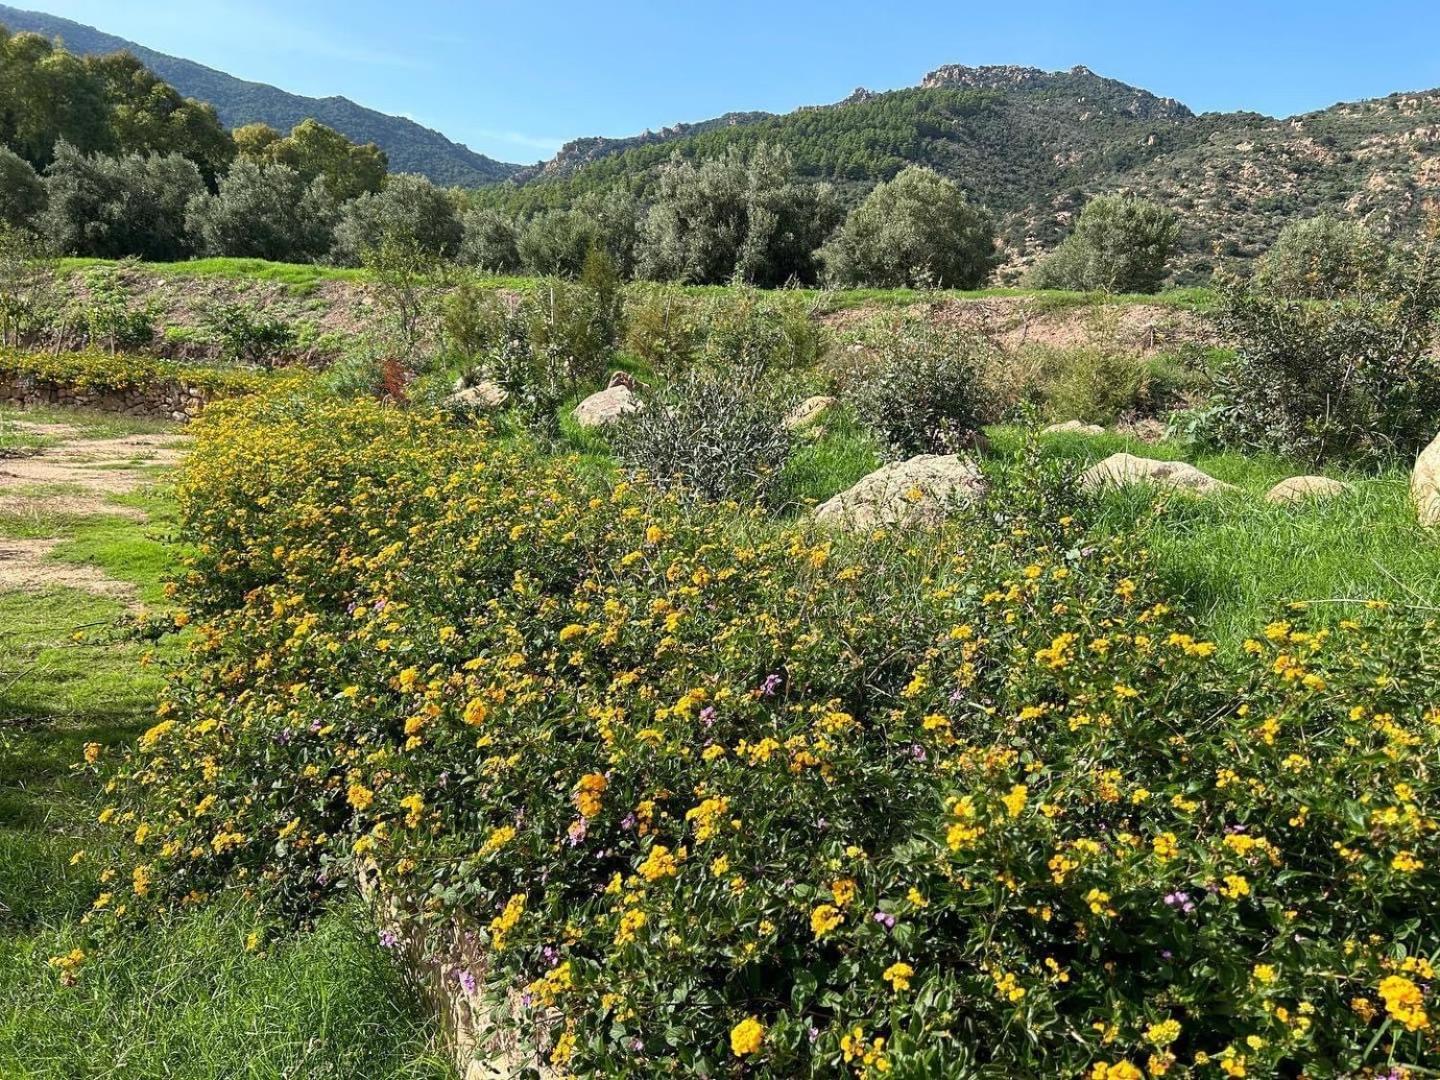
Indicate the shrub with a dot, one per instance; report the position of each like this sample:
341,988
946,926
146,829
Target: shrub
577,324
263,212
248,335
110,315
710,435
408,212
490,242
745,329
474,320
917,230
1094,383
921,390
1321,258
22,194
1355,378
722,795
114,207
1120,245
29,300
663,328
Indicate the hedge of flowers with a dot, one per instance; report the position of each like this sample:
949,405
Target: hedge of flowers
119,372
726,796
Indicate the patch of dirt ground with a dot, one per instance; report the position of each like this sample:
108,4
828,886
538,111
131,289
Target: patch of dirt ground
74,477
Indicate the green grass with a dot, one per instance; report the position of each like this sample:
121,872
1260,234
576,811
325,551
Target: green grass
300,278
303,278
87,424
181,998
1236,560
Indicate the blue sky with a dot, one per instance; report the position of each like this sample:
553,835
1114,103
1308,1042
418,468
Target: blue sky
514,80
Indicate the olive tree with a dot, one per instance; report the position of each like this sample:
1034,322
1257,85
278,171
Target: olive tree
408,212
490,241
1320,258
1120,244
111,207
263,212
22,195
916,230
730,219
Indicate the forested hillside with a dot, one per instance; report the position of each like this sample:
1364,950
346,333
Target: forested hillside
409,146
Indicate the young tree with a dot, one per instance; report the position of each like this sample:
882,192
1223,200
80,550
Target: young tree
22,194
111,207
409,211
1120,244
263,212
916,230
1321,258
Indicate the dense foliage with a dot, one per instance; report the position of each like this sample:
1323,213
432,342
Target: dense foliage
917,230
1120,245
1355,378
730,796
1321,258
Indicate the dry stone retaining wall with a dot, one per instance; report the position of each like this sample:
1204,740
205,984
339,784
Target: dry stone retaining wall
167,399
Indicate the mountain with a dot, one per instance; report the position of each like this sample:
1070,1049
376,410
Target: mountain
409,146
1032,145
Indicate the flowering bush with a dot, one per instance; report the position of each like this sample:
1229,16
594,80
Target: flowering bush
730,797
94,371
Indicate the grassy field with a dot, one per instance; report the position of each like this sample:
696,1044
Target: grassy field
1236,559
303,278
186,997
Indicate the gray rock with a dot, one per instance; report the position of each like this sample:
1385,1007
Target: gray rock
1297,489
1122,470
1073,427
1425,484
482,397
920,491
606,407
808,411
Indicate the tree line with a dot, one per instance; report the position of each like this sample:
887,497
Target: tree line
99,157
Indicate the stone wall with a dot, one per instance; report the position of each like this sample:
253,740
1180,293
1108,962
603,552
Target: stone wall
165,400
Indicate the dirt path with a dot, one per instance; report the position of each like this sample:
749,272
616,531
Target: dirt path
73,476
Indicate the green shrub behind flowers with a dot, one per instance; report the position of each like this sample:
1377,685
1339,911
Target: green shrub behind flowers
727,796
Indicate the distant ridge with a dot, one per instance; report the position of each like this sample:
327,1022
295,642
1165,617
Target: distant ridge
409,146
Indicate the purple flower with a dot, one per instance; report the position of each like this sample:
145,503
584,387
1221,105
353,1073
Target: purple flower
772,684
917,752
284,736
627,822
885,919
466,980
576,832
388,940
1180,899
707,716
551,955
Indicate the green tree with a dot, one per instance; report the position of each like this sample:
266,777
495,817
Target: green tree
1321,258
490,242
409,214
314,150
22,194
46,95
916,230
555,243
111,207
149,116
1120,244
263,212
736,218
